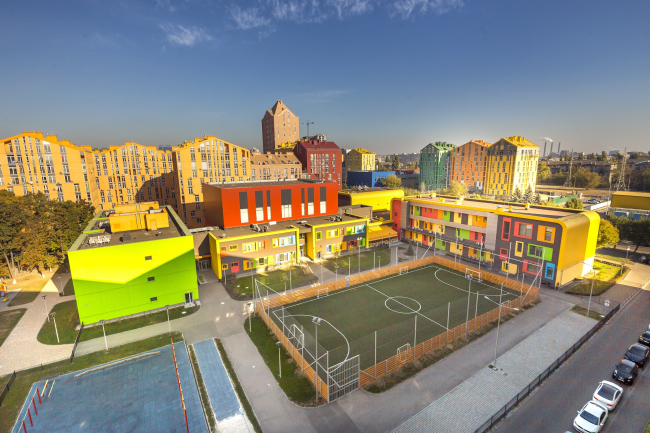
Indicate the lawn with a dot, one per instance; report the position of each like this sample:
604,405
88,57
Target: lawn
365,261
614,259
67,320
24,379
8,321
583,311
606,277
241,289
295,385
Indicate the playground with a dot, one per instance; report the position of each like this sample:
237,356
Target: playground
140,393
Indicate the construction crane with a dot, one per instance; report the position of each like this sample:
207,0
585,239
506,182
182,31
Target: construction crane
308,123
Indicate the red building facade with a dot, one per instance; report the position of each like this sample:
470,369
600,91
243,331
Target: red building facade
321,160
240,204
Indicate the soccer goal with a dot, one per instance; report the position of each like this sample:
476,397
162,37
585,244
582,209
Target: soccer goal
471,274
403,270
401,352
322,293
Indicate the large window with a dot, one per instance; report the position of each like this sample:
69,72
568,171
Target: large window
505,230
323,202
524,230
285,197
243,207
259,205
535,251
310,201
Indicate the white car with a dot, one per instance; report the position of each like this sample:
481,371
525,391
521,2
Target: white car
608,394
591,418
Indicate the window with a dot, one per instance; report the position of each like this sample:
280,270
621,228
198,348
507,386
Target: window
550,271
328,248
268,204
505,230
519,249
524,230
545,234
535,251
285,201
302,201
151,279
531,268
147,257
503,254
248,264
287,240
548,234
155,298
243,207
249,247
233,247
259,205
318,236
310,201
323,202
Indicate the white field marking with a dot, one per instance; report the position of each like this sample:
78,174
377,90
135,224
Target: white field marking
403,297
507,293
406,306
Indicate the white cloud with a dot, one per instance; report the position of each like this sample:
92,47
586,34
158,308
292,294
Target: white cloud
350,7
187,36
165,5
301,11
407,7
249,18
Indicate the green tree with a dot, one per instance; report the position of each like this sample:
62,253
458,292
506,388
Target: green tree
456,189
608,235
574,203
516,196
529,196
582,178
395,163
393,182
543,171
423,187
12,220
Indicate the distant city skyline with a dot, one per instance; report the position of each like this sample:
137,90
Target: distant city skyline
390,76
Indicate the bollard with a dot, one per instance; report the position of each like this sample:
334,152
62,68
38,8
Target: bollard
24,428
31,424
35,410
39,396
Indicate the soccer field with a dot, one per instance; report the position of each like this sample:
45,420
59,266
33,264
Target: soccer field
390,314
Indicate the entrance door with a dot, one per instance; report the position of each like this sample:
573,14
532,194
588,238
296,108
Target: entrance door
189,297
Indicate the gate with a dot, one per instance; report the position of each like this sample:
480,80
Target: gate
343,378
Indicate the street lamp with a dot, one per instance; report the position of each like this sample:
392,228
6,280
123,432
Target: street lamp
169,325
592,288
336,271
45,301
316,321
250,325
55,328
496,346
279,357
104,329
285,284
628,252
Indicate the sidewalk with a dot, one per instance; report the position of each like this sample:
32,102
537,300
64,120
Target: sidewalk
21,349
466,408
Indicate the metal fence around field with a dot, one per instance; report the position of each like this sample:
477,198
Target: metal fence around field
505,410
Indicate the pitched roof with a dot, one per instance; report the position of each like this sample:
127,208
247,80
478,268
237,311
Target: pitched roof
519,141
318,145
364,151
278,108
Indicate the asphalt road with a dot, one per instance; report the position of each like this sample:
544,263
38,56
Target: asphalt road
552,408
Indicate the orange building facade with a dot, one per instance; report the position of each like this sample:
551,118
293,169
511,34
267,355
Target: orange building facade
468,164
279,125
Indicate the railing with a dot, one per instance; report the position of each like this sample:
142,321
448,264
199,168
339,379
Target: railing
5,390
76,342
505,410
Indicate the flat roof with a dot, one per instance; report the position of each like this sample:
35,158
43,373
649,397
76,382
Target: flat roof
536,210
632,193
269,183
373,189
303,225
107,239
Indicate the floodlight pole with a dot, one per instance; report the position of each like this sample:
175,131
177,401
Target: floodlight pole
55,328
104,329
45,302
279,357
469,295
476,310
316,378
591,291
496,346
169,325
359,255
415,336
448,311
250,325
284,279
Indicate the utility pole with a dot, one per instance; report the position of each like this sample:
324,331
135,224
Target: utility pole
620,184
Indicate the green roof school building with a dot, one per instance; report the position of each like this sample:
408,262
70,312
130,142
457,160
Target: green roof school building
131,260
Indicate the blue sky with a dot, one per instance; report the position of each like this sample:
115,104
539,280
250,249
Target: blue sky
388,75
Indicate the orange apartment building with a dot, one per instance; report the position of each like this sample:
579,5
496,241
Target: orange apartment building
32,162
279,125
278,166
468,164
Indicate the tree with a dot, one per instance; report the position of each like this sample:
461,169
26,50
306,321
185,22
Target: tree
12,220
607,234
574,203
529,196
637,231
456,189
393,182
395,163
516,196
543,171
423,187
603,156
582,178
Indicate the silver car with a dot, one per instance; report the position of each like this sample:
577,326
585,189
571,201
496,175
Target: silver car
608,394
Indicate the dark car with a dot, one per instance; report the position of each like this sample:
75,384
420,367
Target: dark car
645,338
638,354
626,371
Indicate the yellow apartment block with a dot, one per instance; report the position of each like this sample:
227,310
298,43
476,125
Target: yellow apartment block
511,164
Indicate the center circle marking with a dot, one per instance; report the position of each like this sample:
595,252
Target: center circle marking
395,298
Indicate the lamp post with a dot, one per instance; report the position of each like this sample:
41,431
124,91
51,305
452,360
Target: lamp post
628,252
496,346
45,302
250,325
104,329
55,328
316,321
279,357
169,325
592,290
285,284
336,271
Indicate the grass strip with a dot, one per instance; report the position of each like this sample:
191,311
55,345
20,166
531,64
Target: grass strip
615,259
354,261
205,399
293,382
238,388
241,288
412,368
583,311
24,379
600,286
8,321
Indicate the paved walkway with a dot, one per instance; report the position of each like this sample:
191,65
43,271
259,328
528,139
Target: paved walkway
224,402
467,407
21,349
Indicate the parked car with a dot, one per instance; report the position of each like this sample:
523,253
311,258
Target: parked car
645,338
608,394
593,201
626,371
591,418
643,259
638,353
